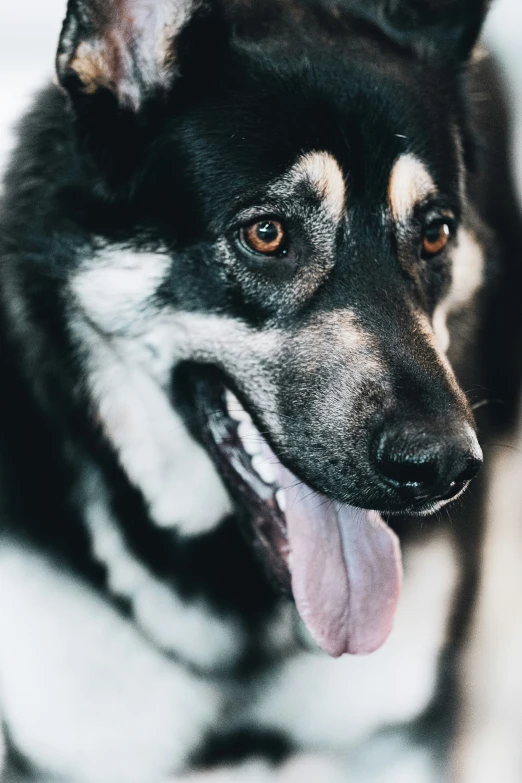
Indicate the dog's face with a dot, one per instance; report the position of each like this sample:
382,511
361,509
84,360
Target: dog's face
287,192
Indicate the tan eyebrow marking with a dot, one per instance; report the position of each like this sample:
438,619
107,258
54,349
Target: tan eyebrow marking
325,175
410,183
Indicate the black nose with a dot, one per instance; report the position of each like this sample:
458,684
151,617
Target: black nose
423,465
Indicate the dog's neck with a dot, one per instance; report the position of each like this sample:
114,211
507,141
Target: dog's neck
87,511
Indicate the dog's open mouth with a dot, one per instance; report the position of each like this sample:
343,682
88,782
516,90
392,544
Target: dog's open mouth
343,564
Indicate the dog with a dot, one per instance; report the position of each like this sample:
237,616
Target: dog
258,265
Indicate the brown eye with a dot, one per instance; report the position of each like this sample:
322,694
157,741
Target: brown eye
266,237
435,239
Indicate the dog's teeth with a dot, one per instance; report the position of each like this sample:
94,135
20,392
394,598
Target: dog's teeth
250,438
231,399
236,410
265,470
281,499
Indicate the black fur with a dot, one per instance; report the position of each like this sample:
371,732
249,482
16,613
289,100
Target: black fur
365,81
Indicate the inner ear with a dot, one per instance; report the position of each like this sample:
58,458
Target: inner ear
128,47
120,62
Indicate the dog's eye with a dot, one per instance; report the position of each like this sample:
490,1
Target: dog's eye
436,237
266,237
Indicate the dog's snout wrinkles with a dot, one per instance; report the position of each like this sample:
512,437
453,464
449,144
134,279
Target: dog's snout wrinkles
425,465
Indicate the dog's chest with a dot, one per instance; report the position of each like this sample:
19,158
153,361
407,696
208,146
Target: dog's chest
87,695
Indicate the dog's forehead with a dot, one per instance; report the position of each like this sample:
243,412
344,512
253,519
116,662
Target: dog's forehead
268,117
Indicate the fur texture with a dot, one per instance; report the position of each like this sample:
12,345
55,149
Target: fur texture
143,638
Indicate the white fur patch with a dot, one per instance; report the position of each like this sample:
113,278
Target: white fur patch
174,473
387,761
302,769
116,289
128,372
467,277
410,183
326,703
83,693
392,757
189,629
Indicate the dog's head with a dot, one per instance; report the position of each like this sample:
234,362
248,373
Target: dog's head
279,232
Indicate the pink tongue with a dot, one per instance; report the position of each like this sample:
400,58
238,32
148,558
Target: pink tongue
346,570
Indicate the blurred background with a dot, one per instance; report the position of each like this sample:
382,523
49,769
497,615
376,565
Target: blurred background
490,744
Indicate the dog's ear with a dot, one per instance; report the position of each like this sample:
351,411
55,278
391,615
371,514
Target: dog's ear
127,47
444,29
121,62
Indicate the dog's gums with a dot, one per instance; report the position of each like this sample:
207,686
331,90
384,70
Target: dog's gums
342,564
